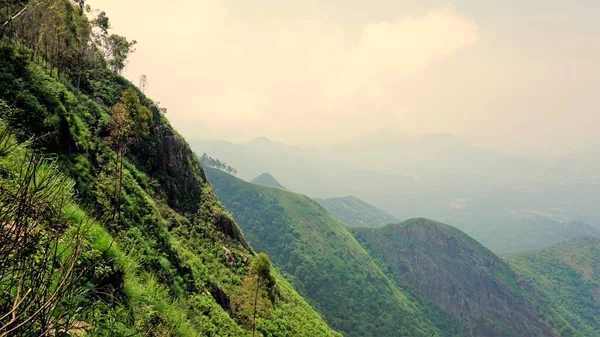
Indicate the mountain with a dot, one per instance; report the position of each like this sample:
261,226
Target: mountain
568,277
322,260
443,265
110,227
267,179
443,279
435,176
354,212
530,231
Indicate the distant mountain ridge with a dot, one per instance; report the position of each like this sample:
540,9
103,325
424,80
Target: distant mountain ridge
266,179
354,212
435,176
416,278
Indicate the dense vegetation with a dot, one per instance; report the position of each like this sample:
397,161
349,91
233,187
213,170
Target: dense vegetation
208,161
266,179
568,277
322,259
108,223
444,266
354,212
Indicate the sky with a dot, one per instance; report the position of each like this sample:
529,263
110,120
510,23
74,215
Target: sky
518,76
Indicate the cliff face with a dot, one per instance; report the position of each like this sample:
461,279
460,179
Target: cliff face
443,265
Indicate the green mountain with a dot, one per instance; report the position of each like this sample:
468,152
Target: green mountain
110,227
444,266
322,260
266,179
522,233
354,212
568,277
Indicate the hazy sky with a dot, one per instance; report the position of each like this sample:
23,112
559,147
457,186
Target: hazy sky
520,76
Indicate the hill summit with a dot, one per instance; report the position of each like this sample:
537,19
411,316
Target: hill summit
266,179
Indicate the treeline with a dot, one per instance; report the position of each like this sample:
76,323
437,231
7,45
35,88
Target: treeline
63,39
209,161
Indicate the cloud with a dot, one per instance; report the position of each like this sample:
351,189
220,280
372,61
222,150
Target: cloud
237,105
287,76
389,52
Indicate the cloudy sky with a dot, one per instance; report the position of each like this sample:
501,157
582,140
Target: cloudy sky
518,76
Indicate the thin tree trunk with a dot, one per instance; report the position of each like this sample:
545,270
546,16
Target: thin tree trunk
255,301
120,188
5,24
116,196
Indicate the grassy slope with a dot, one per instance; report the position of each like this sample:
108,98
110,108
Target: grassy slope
175,247
568,277
322,259
448,268
354,212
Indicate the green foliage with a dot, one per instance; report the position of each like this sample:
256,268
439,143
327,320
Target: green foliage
154,272
568,278
322,260
118,49
469,289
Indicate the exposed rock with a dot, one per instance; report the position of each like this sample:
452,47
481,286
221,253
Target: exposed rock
220,297
228,227
228,256
458,275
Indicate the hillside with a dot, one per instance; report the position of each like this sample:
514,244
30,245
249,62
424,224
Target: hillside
109,224
354,212
527,232
568,277
442,265
266,179
322,259
435,176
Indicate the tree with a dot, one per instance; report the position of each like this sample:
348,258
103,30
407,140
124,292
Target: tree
261,268
208,161
130,121
117,49
143,83
21,6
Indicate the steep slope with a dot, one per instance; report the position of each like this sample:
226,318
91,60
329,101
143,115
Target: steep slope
161,257
354,212
266,179
322,259
445,266
568,277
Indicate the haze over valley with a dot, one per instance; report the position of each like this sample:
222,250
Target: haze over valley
299,168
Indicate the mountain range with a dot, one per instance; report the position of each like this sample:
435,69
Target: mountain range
482,192
442,281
